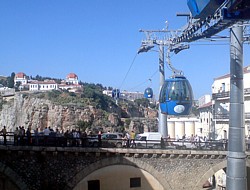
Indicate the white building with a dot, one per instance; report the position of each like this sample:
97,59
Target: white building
126,95
70,83
43,85
70,87
204,100
221,103
22,78
72,78
205,115
206,119
180,126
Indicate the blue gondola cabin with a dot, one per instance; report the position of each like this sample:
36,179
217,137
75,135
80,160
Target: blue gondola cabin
148,93
176,96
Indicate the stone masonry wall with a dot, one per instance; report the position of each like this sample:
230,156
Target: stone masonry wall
56,168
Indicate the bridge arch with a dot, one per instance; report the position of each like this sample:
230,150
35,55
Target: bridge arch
210,173
213,170
12,177
122,161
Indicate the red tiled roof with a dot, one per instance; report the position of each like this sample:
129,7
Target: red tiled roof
71,75
20,75
206,105
245,70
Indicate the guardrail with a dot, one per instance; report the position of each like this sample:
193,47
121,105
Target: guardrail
227,94
62,141
225,116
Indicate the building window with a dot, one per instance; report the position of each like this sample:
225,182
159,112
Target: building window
223,87
135,182
94,185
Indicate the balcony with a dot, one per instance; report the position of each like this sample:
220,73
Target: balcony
220,95
224,95
225,116
221,116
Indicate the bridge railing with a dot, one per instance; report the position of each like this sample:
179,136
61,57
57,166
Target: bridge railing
62,141
90,141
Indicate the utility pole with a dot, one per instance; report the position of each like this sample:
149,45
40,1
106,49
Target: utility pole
236,160
162,125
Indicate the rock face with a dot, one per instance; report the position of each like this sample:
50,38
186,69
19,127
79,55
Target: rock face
33,112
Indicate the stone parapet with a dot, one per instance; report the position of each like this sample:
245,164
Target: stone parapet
137,153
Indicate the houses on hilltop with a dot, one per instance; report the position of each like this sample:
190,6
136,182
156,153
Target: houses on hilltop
70,83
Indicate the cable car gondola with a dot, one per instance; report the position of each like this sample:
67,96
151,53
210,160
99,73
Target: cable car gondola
148,93
116,93
176,96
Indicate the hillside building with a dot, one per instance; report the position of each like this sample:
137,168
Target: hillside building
71,78
42,85
206,119
221,104
22,79
126,95
71,83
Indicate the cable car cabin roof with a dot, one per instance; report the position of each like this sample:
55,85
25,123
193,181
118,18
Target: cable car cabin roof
176,96
176,77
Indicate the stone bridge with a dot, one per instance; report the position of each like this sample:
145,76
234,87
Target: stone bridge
66,168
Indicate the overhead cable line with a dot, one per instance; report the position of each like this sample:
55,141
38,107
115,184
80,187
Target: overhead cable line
128,71
137,86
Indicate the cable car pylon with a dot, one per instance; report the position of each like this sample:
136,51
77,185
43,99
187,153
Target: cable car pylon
165,41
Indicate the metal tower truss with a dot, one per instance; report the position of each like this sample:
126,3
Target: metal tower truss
164,38
196,30
206,28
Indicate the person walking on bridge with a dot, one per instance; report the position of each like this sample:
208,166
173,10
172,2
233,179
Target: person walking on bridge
16,134
46,133
28,134
132,139
4,132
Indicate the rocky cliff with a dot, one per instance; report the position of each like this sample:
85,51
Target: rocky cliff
33,112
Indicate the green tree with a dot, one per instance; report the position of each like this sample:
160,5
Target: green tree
3,82
18,84
83,125
10,80
142,102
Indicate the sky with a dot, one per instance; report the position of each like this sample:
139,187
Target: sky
98,40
